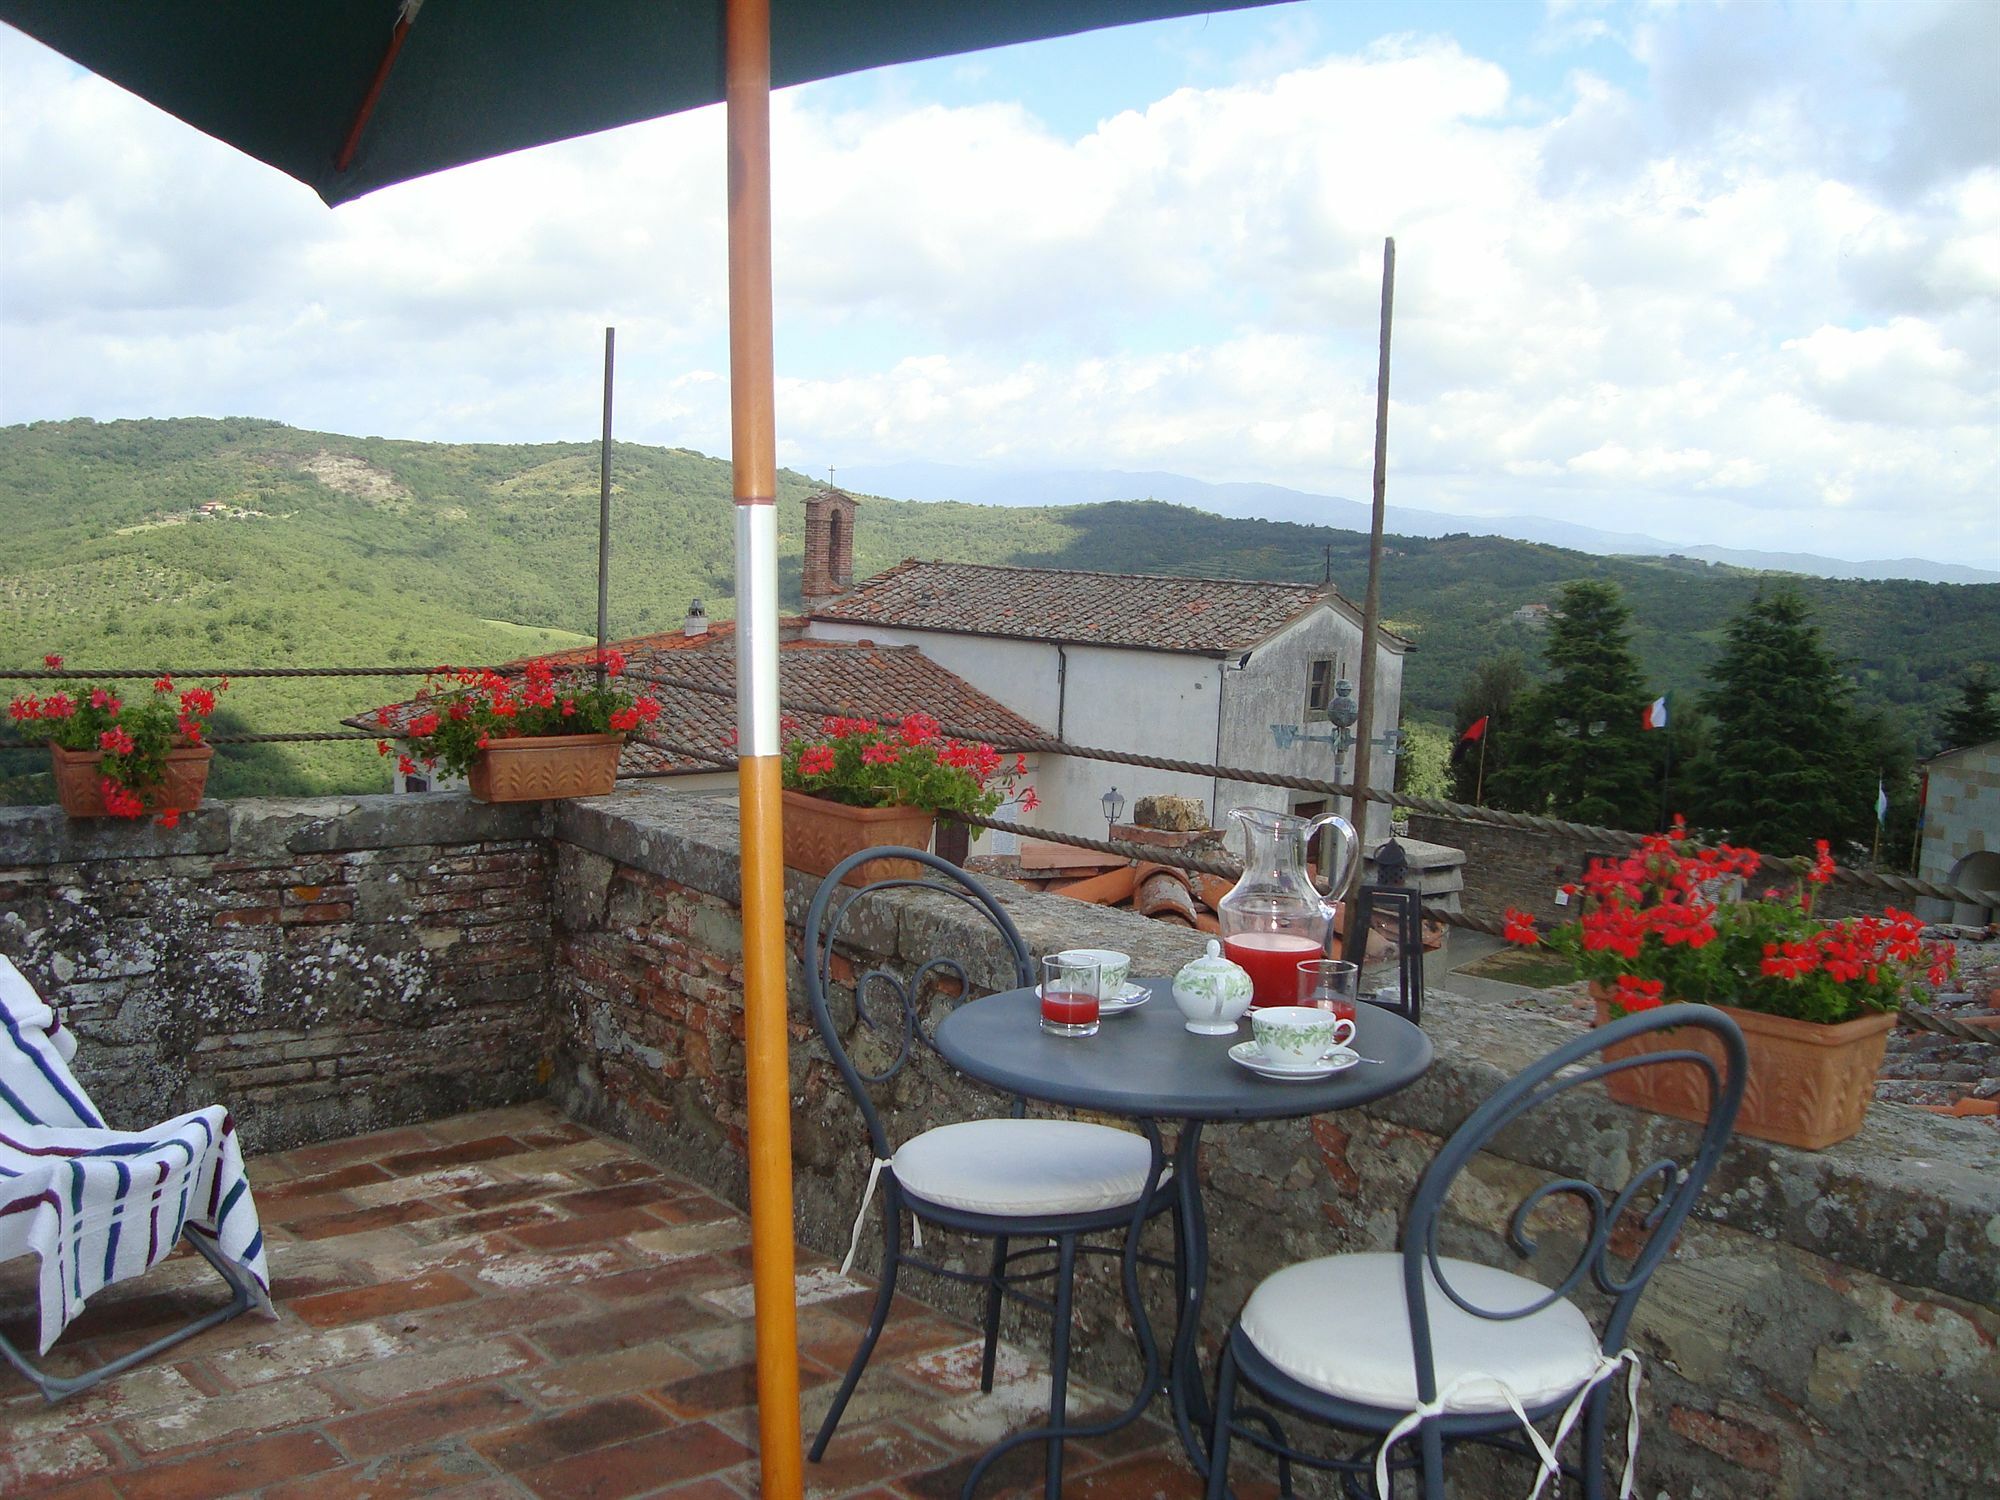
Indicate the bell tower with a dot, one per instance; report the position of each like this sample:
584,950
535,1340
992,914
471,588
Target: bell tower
829,560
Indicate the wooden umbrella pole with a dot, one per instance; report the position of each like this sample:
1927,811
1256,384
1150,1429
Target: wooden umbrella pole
754,459
604,506
1371,608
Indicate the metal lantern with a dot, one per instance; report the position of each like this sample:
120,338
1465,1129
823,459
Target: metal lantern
1389,892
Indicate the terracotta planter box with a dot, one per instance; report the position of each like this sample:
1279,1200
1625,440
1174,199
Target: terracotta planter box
80,785
1809,1085
556,765
820,834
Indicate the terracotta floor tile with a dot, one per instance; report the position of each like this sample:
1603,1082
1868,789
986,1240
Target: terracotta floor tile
544,1439
233,1470
359,1303
638,1467
402,1476
589,1229
500,1305
409,1163
419,1423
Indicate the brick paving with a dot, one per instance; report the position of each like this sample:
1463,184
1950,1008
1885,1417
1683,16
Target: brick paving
509,1304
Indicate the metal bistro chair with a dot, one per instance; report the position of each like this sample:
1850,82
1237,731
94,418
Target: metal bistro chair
1413,1346
1051,1181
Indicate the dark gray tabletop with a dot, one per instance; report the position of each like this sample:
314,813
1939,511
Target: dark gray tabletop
1146,1064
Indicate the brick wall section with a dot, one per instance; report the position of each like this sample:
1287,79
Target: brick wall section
1522,868
1829,1327
324,968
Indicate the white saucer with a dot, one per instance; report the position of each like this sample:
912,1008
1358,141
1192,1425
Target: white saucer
1131,997
1338,1060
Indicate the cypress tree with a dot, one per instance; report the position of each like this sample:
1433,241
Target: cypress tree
1576,746
1782,766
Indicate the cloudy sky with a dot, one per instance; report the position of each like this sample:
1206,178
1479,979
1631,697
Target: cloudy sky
1723,273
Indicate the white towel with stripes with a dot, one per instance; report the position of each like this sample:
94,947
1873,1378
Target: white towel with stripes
99,1205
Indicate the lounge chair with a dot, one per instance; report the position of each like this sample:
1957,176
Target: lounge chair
98,1205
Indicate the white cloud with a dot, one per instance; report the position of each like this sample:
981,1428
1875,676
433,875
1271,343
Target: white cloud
1689,295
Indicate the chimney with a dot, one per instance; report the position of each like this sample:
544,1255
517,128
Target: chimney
829,560
697,619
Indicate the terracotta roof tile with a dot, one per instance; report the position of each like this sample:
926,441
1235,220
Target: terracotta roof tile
1148,611
860,680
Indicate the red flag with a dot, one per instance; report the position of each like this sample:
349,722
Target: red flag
1476,730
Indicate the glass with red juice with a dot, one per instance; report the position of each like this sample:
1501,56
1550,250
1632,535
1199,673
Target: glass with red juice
1069,997
1329,984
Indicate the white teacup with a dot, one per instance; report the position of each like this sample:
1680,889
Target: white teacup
1112,967
1298,1036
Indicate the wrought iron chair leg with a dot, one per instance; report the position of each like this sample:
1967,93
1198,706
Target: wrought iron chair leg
993,1296
885,1293
1431,1439
1595,1412
1225,1413
1059,1362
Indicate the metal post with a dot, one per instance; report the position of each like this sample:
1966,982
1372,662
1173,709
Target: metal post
1371,608
754,460
604,508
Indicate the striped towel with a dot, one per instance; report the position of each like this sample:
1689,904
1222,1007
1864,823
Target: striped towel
99,1205
36,1087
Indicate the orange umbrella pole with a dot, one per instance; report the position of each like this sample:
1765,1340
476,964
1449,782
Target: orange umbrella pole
753,447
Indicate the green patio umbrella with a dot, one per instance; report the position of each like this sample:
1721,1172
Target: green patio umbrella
353,95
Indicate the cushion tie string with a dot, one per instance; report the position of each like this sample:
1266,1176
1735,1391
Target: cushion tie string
867,1195
1607,1365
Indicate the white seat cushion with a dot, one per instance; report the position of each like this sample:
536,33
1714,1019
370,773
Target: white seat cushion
1025,1166
1341,1325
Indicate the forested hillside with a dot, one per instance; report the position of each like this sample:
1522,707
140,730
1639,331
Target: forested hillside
194,542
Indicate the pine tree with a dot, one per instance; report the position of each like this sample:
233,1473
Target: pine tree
1783,765
1975,718
1576,746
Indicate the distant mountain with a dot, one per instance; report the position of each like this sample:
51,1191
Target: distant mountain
1272,502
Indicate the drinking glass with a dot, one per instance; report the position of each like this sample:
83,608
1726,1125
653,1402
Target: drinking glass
1330,984
1069,996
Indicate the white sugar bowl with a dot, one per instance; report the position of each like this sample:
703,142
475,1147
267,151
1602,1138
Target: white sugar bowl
1213,993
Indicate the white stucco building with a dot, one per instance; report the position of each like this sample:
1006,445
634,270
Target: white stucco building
1193,669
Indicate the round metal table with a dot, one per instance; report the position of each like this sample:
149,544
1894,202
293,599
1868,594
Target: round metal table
1146,1065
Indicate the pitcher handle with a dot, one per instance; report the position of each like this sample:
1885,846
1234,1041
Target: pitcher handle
1346,848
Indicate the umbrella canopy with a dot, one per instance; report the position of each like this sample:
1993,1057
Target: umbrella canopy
352,95
287,82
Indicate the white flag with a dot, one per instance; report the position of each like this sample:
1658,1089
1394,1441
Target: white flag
1881,802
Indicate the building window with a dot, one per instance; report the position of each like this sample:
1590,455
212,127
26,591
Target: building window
1319,686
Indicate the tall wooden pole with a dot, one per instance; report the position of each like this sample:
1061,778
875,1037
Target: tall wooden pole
1371,608
604,506
754,459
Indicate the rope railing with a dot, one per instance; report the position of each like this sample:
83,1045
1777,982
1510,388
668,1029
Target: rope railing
1900,885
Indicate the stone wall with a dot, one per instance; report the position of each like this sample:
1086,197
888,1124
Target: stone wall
1523,868
1828,1327
323,967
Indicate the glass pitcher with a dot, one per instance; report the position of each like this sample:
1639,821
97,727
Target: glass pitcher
1275,919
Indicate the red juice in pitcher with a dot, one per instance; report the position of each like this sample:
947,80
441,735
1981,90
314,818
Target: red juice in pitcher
1271,959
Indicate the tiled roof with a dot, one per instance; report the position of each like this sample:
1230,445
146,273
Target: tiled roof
1147,611
859,680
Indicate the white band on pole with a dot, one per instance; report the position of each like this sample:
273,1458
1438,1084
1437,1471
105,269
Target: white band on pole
757,630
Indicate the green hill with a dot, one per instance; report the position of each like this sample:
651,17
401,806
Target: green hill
198,543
